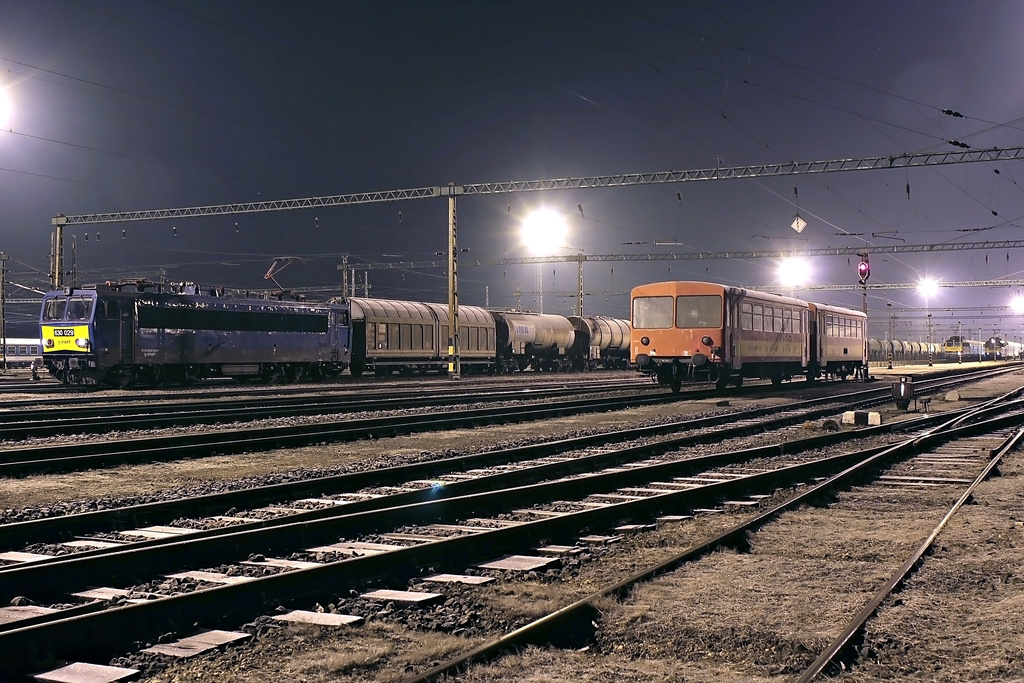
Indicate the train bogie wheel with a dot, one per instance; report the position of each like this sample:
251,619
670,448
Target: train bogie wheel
676,385
722,382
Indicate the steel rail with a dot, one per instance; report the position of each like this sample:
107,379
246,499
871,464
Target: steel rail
108,630
40,423
54,529
540,630
856,625
68,457
391,386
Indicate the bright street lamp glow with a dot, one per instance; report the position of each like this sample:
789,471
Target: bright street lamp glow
1017,304
927,287
544,231
794,272
5,109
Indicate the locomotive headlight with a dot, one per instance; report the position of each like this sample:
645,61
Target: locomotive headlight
82,343
646,341
707,341
49,343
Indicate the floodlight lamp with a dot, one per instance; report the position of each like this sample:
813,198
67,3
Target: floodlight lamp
927,286
794,272
1017,304
6,109
544,231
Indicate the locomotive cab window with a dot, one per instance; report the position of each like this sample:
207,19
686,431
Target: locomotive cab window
53,309
652,312
697,311
79,309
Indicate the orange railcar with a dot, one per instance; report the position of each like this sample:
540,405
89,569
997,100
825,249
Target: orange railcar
705,332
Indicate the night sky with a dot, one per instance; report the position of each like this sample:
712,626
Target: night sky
120,105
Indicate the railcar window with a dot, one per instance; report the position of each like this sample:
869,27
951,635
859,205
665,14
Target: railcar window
746,316
11,350
23,350
652,312
53,309
758,318
34,350
699,310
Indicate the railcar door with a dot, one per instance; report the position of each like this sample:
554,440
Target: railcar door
730,331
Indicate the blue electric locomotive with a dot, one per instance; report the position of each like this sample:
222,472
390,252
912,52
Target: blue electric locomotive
137,331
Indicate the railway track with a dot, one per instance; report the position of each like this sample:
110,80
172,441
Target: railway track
958,451
21,461
92,419
443,512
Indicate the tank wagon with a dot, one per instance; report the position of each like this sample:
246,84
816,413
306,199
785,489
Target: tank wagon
539,341
691,332
137,332
600,342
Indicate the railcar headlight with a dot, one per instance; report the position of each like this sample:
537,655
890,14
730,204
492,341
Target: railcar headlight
82,343
646,341
707,341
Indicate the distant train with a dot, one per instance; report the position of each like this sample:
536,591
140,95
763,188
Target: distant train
957,348
686,332
997,348
136,332
22,352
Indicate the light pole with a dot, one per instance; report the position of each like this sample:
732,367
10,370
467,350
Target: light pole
960,337
929,340
927,287
891,340
3,311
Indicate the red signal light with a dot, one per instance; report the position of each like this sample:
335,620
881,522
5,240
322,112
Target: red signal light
863,271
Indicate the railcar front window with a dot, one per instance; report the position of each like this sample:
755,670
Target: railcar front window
79,309
53,309
699,310
652,312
